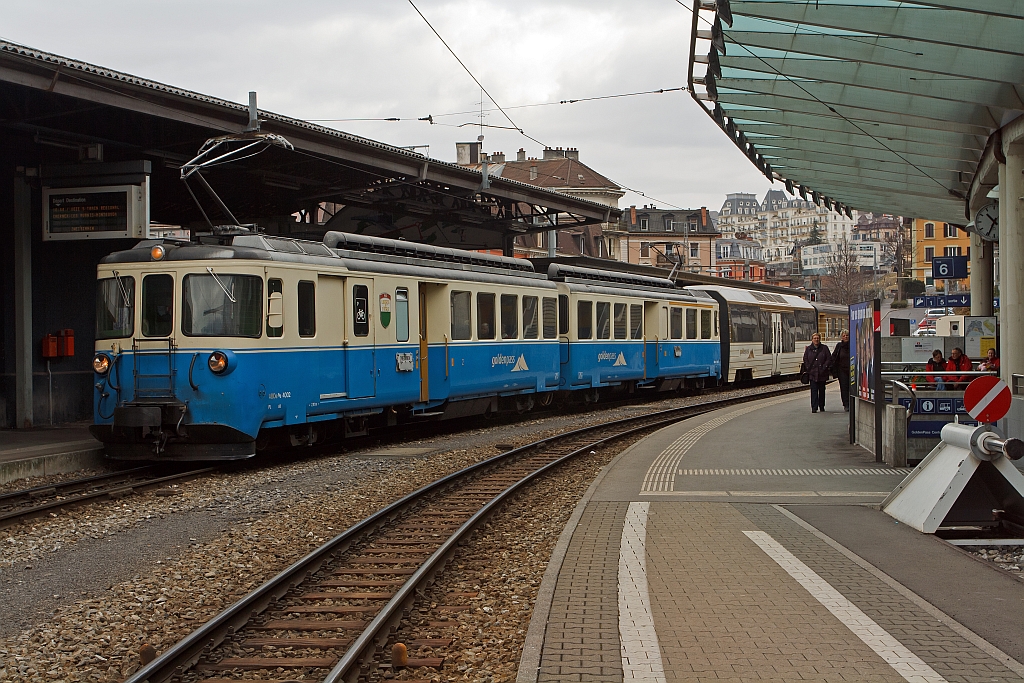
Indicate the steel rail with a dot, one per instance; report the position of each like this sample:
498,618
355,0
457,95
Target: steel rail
187,652
70,483
8,518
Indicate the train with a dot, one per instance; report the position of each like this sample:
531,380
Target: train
215,348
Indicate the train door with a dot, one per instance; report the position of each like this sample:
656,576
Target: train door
361,355
653,336
776,343
327,297
424,347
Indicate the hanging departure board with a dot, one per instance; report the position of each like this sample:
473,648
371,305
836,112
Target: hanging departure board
112,212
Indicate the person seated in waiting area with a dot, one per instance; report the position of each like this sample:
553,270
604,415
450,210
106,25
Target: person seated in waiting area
991,362
958,361
936,364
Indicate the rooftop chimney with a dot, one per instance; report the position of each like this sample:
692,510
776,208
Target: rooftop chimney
572,153
521,155
557,153
533,172
467,153
498,157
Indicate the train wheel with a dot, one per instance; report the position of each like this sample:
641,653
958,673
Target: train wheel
546,399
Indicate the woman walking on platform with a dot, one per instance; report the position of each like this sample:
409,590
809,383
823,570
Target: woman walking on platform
841,367
817,362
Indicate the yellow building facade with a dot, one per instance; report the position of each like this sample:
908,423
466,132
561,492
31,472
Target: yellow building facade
934,238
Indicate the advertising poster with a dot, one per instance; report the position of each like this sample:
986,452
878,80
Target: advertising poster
862,350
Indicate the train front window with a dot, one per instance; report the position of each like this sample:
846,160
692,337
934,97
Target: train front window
220,305
157,305
115,307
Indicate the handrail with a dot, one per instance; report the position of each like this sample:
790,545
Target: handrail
958,373
913,399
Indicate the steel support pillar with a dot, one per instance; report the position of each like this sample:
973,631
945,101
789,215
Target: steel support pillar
552,240
1011,256
981,275
23,346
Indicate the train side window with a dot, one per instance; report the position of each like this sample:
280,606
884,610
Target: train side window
462,326
563,314
275,308
705,323
531,328
485,328
509,316
157,305
604,322
621,324
584,319
402,314
549,314
307,309
360,310
676,323
746,325
691,323
636,320
717,332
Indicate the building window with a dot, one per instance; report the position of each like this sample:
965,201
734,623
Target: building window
669,223
929,254
644,223
951,251
950,231
645,250
694,251
929,231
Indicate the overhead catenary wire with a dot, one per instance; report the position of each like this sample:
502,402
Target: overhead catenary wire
475,79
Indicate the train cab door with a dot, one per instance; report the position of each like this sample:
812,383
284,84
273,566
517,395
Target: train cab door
424,346
776,343
653,336
361,352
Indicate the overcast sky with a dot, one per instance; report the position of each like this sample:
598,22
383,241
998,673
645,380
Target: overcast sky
338,59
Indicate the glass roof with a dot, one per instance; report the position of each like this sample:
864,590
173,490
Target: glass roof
876,105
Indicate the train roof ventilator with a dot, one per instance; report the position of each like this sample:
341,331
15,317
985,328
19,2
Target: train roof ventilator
966,484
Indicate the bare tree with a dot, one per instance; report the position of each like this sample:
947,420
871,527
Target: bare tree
896,248
844,283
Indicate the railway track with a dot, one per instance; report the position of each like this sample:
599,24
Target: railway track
20,505
328,616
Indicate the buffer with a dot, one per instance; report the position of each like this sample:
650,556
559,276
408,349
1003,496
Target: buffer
967,480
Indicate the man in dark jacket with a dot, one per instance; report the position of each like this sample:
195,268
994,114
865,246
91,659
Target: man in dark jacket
817,363
841,367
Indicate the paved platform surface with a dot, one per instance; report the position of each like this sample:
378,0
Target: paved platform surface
47,450
743,546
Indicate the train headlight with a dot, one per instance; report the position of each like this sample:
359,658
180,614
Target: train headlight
101,363
218,362
157,252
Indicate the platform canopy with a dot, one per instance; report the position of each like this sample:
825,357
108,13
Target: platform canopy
877,105
56,111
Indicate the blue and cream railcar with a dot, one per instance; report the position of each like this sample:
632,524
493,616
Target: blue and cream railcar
763,334
204,348
621,329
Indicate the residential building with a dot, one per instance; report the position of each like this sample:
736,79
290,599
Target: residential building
933,238
665,237
560,170
740,259
817,259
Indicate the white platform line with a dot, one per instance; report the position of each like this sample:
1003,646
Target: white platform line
638,641
908,665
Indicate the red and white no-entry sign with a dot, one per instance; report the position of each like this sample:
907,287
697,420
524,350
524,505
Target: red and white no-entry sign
987,399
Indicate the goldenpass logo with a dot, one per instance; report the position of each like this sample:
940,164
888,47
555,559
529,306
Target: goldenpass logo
501,359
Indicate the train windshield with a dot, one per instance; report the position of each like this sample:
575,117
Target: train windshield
217,305
115,312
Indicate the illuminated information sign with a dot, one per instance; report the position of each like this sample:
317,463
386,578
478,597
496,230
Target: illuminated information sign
105,212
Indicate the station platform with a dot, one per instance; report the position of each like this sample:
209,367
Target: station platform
746,545
42,451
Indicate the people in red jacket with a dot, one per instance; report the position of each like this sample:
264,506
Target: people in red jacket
936,364
958,361
991,362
